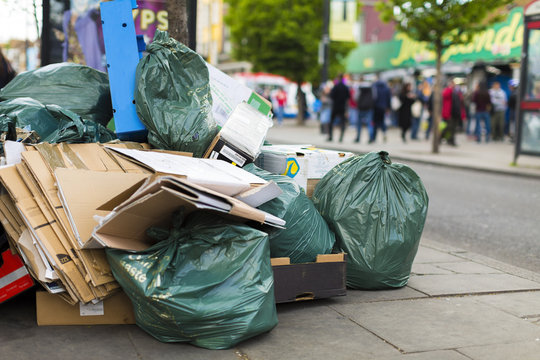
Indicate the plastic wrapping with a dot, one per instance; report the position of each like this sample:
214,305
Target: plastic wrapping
377,210
172,97
52,123
246,129
208,282
307,234
78,88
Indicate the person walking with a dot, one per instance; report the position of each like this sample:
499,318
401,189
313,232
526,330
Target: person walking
339,95
482,103
404,113
512,108
381,105
453,111
352,110
365,109
281,99
326,106
500,103
417,109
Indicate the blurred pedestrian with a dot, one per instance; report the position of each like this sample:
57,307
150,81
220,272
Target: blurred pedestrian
6,71
353,106
453,111
482,101
429,107
417,109
281,99
365,109
339,95
381,96
512,107
326,106
500,103
404,113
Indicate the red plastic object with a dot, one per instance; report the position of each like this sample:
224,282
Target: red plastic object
14,277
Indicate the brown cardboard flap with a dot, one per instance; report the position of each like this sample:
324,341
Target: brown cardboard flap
330,258
154,205
280,261
98,186
52,309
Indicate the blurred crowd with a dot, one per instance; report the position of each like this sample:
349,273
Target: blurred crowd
484,114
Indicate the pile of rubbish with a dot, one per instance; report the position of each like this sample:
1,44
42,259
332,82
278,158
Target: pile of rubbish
192,223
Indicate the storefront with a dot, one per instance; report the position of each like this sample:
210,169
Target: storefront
499,44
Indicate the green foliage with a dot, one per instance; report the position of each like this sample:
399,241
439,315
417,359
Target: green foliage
282,37
441,23
277,36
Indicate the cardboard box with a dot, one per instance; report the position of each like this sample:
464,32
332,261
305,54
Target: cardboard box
53,310
216,175
222,150
318,280
14,277
154,204
300,162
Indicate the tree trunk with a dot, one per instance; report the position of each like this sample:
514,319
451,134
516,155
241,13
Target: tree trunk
301,101
437,104
178,24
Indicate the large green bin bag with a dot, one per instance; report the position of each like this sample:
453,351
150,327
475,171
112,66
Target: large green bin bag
52,123
173,97
78,88
377,210
208,282
307,234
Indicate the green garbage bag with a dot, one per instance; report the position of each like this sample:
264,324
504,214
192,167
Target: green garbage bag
78,88
173,97
208,282
52,123
377,210
307,234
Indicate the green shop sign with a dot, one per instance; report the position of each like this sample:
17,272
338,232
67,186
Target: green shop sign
502,41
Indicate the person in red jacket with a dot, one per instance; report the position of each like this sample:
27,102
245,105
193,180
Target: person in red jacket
453,111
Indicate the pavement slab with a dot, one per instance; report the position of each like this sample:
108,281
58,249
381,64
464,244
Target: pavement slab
362,296
468,267
427,255
148,348
454,284
519,351
430,355
523,304
429,269
439,323
312,330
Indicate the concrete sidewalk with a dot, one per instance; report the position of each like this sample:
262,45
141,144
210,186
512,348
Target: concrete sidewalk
457,306
494,156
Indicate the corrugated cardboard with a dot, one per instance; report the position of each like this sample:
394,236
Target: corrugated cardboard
216,175
300,162
153,205
82,206
53,310
213,174
42,230
94,263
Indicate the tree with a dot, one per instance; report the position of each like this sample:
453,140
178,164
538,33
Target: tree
278,36
440,23
178,21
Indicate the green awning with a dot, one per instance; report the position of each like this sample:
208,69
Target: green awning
500,42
